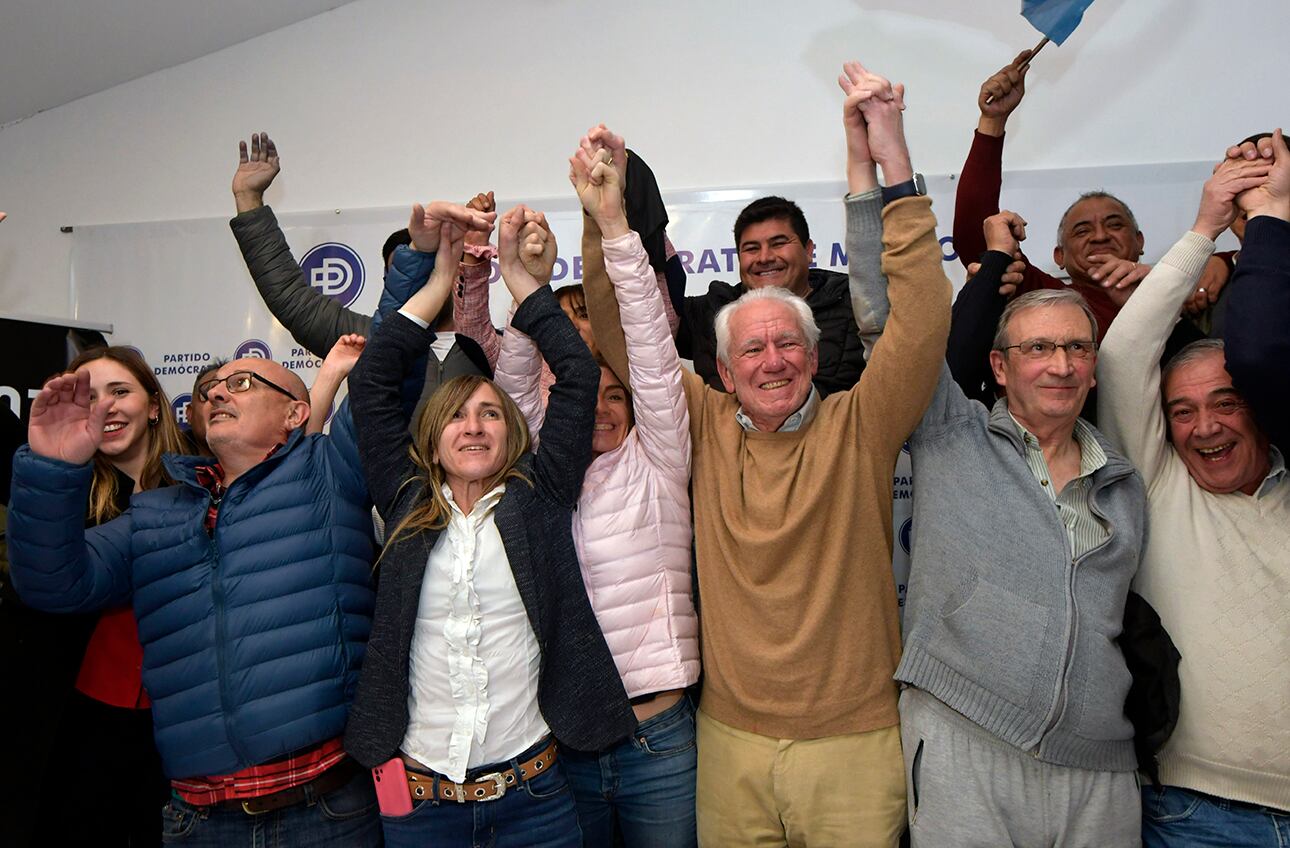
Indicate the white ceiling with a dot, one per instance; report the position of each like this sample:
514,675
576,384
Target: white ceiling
55,51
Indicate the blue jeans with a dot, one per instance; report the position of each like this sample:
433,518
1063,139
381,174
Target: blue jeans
645,782
538,813
1173,817
346,816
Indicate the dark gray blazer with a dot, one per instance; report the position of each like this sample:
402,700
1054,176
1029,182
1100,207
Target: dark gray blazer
580,693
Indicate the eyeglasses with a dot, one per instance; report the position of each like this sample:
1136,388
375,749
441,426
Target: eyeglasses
1041,349
237,382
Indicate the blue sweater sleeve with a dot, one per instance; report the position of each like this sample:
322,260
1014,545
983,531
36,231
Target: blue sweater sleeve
1257,331
56,564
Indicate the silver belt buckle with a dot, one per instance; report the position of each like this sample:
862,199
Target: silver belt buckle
499,782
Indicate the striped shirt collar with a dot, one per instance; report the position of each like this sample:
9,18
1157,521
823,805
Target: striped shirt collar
1091,457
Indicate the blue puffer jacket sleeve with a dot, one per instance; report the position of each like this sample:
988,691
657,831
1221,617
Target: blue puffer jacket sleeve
409,271
56,564
343,448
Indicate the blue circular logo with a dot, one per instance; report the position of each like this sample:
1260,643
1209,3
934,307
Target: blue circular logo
179,405
253,349
906,533
905,448
335,270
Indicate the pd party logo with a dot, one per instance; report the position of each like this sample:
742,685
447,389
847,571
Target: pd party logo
179,405
253,349
335,270
906,534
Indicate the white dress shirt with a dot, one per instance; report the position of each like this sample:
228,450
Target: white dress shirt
473,665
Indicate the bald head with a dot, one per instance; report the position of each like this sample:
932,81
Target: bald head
271,371
249,418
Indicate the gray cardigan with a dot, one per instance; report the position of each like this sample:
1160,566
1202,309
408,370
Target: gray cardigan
1001,624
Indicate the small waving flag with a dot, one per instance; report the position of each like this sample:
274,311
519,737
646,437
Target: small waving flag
1056,19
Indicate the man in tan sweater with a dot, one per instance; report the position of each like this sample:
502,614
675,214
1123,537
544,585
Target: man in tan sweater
798,730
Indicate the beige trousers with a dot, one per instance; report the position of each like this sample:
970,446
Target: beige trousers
839,791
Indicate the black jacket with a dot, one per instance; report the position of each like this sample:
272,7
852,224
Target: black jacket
841,351
580,693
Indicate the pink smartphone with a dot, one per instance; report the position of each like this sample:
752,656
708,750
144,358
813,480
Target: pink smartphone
392,794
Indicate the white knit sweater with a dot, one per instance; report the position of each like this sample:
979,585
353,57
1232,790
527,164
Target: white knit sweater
1217,567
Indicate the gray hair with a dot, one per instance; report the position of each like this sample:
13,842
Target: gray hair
1089,195
1189,354
801,310
1034,300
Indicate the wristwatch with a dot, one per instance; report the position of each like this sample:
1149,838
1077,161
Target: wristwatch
915,186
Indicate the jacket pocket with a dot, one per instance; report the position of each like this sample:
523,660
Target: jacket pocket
995,638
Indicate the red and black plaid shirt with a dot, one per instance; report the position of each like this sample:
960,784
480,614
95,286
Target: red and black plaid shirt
266,778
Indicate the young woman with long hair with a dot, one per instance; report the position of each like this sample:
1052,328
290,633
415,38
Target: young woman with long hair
107,727
484,650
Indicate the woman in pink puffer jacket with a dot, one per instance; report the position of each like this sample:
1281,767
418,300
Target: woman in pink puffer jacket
633,531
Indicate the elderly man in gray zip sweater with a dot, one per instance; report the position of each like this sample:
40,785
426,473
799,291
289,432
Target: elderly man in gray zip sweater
1028,528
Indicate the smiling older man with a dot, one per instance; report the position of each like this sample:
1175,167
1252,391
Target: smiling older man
1216,567
792,511
1028,528
250,580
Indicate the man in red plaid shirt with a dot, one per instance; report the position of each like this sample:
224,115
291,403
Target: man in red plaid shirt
250,581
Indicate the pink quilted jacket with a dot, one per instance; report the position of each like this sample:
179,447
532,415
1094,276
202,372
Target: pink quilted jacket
632,526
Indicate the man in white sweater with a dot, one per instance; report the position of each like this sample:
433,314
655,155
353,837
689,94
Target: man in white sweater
1217,566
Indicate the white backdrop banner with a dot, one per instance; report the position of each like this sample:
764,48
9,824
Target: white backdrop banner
179,292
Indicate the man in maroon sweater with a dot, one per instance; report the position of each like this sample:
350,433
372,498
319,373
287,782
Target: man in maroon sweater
1098,242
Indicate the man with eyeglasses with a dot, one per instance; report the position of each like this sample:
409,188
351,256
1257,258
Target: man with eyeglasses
250,580
1028,528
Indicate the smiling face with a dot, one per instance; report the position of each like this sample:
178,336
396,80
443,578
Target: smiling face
1049,392
1212,429
613,413
126,430
472,445
1093,226
771,254
770,367
245,426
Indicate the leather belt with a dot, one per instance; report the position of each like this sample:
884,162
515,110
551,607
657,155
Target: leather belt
488,787
329,781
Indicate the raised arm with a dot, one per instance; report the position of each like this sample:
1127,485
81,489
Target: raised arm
977,197
375,386
564,451
903,370
980,304
519,366
313,319
1128,371
335,368
867,282
653,367
57,565
1257,332
470,313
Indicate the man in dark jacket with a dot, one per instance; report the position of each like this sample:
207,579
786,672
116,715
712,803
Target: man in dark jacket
775,249
250,581
315,320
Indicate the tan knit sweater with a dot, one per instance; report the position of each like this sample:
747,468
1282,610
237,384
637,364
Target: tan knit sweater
793,530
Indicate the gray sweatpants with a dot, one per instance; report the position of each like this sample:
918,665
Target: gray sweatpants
968,788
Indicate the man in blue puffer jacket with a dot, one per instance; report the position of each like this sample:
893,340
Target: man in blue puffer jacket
250,580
